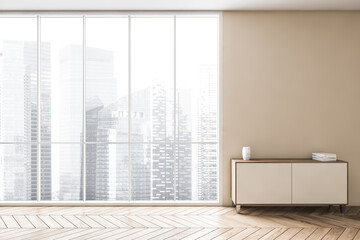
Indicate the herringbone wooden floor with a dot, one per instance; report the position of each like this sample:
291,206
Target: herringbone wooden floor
178,223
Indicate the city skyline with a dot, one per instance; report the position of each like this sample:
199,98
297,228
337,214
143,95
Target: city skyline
155,179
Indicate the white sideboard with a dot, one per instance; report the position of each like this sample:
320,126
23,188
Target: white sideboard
289,182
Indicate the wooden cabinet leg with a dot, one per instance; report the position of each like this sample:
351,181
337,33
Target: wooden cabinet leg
342,208
238,208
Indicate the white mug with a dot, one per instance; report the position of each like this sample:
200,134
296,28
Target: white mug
246,153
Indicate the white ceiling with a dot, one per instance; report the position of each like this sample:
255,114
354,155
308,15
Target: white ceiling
179,5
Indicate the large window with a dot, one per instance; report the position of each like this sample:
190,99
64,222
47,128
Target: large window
107,108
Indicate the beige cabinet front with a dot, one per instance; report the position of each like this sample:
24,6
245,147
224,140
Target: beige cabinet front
259,183
321,183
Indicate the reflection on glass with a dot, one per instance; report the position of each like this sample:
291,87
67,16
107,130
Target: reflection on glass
197,174
18,172
197,79
106,80
66,167
152,79
154,168
152,172
61,79
107,172
18,80
61,107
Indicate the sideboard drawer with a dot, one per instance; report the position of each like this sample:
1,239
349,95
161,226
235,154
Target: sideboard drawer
259,183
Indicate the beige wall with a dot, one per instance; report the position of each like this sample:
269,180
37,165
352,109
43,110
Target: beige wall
291,86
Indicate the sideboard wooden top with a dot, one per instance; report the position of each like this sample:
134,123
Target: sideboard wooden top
283,160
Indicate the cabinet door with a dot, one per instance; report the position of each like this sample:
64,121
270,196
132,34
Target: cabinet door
263,183
319,183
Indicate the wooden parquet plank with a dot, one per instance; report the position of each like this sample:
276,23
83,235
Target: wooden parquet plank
304,233
307,221
102,221
86,220
46,234
274,234
349,233
357,236
334,233
115,221
75,233
2,224
169,234
36,221
10,222
186,221
172,223
186,233
155,233
195,223
319,233
86,235
341,221
63,221
230,233
214,233
161,224
74,220
129,222
20,233
142,233
289,233
50,221
111,233
5,232
259,234
198,234
144,222
243,234
23,221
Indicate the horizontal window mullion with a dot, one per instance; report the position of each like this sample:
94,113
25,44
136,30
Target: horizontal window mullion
172,142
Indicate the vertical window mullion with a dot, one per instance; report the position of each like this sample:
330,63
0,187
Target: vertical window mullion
84,111
38,95
129,107
175,149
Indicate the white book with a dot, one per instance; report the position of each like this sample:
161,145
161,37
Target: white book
324,156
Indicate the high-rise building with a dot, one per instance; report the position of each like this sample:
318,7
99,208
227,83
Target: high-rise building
45,122
152,165
93,106
207,153
101,125
18,107
112,159
184,168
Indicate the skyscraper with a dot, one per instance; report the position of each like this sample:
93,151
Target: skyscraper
18,107
207,153
45,121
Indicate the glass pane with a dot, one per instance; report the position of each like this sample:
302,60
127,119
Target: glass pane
197,174
197,78
18,79
107,172
107,80
152,79
152,172
18,172
61,79
65,162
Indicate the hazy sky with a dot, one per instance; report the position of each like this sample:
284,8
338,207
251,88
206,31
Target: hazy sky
152,55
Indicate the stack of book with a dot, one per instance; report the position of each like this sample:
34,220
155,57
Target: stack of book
324,157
